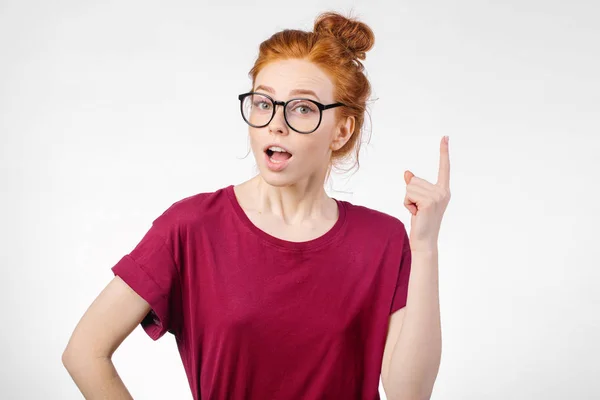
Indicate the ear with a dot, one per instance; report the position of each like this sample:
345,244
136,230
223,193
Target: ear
343,132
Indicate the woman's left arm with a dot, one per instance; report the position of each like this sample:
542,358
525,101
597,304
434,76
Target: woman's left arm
414,343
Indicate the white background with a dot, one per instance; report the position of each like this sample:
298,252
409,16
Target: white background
112,111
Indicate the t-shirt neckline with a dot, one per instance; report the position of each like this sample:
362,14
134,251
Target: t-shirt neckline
315,243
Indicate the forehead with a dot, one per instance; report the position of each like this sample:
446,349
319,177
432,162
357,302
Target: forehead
285,76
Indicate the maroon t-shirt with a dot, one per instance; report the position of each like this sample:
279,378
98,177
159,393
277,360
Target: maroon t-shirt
256,317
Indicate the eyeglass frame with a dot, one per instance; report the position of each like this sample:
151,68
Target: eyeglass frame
320,106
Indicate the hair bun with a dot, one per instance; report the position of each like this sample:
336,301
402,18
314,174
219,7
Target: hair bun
354,35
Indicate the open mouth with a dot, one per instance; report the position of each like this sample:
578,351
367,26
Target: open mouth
278,156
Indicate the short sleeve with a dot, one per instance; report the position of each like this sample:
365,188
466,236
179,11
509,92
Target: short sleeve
401,289
151,270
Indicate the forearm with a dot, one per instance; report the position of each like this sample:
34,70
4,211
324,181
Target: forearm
417,354
97,378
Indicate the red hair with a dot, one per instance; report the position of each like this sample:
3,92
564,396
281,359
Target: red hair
336,45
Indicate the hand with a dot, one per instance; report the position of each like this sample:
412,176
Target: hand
427,203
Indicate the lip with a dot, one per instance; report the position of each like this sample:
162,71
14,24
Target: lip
278,145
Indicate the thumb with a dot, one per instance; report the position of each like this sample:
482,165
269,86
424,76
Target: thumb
408,176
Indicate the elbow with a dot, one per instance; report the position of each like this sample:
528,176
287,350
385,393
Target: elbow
67,358
70,360
73,359
72,354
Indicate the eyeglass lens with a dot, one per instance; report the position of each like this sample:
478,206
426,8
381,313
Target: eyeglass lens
301,115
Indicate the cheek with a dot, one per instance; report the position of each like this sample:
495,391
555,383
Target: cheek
254,138
318,146
323,139
321,146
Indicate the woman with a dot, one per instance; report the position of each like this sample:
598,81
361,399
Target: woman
272,289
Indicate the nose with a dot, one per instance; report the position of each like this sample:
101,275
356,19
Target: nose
278,124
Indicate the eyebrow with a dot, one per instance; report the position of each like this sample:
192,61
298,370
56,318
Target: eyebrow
293,91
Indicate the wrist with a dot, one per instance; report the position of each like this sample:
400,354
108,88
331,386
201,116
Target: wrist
423,247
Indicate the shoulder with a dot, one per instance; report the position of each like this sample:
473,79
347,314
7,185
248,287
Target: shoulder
375,221
193,208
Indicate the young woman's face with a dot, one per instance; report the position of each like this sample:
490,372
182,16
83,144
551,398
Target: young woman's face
309,154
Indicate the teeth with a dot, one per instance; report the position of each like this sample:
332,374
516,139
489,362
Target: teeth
279,149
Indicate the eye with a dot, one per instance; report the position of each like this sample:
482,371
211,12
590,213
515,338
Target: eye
304,108
262,105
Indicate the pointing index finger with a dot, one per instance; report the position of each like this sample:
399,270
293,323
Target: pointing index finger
444,172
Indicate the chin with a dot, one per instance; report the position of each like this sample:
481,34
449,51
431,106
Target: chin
286,177
275,179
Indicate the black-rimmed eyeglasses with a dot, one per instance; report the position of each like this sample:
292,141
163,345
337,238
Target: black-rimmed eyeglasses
301,114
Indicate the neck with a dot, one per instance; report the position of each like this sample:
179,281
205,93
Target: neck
293,203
